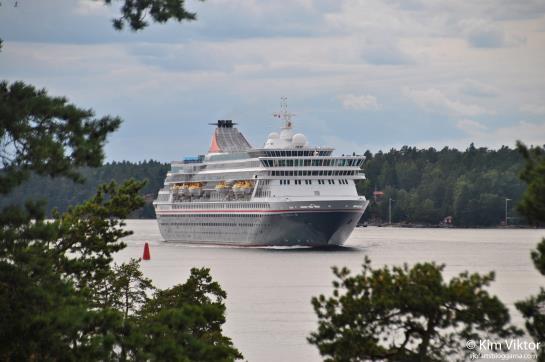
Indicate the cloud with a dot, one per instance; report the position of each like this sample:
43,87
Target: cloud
477,89
529,133
454,60
385,54
86,7
244,19
434,100
359,102
538,109
513,10
186,57
343,145
89,21
470,126
482,33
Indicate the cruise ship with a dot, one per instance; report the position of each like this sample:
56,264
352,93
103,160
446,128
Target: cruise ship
282,194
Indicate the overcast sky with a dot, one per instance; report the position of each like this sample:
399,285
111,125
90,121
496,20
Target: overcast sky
358,74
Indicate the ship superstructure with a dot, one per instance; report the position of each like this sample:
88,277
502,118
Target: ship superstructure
285,193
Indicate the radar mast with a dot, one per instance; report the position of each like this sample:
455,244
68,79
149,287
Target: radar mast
284,114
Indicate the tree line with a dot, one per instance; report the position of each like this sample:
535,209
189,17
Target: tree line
428,185
60,192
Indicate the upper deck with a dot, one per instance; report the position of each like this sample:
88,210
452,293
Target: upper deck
286,166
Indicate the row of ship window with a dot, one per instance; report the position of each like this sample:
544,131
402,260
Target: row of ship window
313,173
309,182
222,166
201,233
296,153
263,193
196,178
336,162
253,205
216,224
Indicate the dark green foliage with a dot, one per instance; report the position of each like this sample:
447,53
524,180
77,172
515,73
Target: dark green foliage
46,135
43,318
532,204
134,12
81,241
45,267
186,320
47,273
428,185
182,323
62,193
538,257
406,314
90,232
533,207
125,288
532,309
62,300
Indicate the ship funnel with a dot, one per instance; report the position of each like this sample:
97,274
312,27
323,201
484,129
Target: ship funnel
227,138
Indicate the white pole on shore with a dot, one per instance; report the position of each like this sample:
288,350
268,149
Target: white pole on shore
390,210
506,200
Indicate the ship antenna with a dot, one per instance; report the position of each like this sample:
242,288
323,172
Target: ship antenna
284,114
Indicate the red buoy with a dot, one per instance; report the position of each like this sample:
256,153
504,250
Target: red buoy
146,252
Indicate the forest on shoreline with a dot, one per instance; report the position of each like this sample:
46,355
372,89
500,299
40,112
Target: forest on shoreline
60,192
425,185
428,185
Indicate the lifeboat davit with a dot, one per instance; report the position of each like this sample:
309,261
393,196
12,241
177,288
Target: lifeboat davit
222,187
242,187
185,190
195,189
179,188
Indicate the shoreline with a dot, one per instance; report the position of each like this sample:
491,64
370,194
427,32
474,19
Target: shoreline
424,226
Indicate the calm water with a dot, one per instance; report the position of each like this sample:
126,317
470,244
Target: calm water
269,289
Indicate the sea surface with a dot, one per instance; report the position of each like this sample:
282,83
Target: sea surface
269,289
